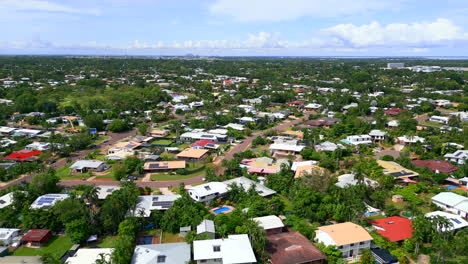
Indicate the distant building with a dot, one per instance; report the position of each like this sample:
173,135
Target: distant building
438,166
395,65
272,224
207,192
82,166
459,156
47,201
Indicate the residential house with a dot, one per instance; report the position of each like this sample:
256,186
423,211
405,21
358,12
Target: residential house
396,170
164,166
158,133
293,248
349,179
436,165
377,135
47,201
237,127
328,146
393,228
405,140
148,203
452,202
42,146
7,235
82,166
207,229
272,224
23,155
458,157
439,119
89,255
207,192
308,169
6,142
6,200
104,191
247,183
29,133
169,253
201,134
6,131
263,165
313,107
204,144
283,148
233,249
192,154
348,237
297,164
393,111
36,237
358,140
456,221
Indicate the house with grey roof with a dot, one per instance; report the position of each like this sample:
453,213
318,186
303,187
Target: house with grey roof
207,228
170,253
247,183
148,203
89,165
458,157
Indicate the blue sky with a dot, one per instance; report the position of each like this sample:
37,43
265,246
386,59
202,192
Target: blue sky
235,27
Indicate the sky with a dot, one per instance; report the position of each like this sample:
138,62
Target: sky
235,27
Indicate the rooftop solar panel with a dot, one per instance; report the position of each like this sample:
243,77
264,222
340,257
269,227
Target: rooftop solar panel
456,220
155,199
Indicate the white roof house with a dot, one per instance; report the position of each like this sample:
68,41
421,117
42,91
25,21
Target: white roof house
104,191
89,255
206,226
439,119
377,134
42,146
5,142
7,235
230,250
408,140
297,164
208,191
457,221
246,183
459,156
170,253
347,180
148,203
48,200
313,106
269,222
358,139
6,200
6,130
328,146
452,202
235,126
28,132
286,147
81,165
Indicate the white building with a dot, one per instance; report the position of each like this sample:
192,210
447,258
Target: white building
7,235
230,250
167,253
439,119
348,237
377,135
148,203
42,146
104,191
6,200
395,65
47,201
359,139
456,221
452,202
247,183
90,255
347,180
404,140
459,156
207,192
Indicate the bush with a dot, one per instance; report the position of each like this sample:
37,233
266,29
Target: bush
387,158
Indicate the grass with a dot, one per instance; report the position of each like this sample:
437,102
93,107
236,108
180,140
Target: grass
430,123
171,238
170,176
108,242
64,171
78,176
100,139
164,142
57,246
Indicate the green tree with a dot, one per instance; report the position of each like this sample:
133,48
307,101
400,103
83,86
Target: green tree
78,230
143,128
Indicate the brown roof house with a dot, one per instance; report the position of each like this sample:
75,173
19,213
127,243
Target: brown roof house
293,248
192,154
161,166
37,237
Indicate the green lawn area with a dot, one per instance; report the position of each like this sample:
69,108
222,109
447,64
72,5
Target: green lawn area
430,123
100,139
170,176
78,176
171,238
108,242
165,142
57,246
64,171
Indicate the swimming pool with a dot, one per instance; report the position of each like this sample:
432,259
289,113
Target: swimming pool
222,209
451,187
146,240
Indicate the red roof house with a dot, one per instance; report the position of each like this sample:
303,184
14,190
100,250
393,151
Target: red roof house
293,248
23,155
296,103
394,228
204,143
435,165
37,237
393,111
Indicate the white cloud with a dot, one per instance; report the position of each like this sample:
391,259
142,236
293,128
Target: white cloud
279,10
42,6
441,32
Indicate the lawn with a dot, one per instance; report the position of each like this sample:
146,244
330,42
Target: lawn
162,142
100,139
57,246
64,171
194,169
430,123
108,242
171,238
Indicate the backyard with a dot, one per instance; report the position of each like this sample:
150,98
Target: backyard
57,246
193,170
